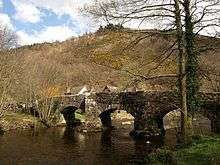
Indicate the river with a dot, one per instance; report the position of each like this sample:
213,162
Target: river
65,146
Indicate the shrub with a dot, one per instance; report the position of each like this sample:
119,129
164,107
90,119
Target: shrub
48,110
110,27
162,156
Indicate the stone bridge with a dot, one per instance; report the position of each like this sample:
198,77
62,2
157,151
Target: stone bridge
148,108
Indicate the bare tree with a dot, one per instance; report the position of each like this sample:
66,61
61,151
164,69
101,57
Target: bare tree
162,11
8,38
8,64
182,68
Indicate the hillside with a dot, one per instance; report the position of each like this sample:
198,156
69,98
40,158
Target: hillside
99,59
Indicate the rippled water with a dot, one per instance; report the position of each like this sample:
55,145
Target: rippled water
65,146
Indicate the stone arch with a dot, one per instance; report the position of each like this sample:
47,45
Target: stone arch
159,111
106,117
202,124
163,111
207,115
172,119
212,112
122,118
69,115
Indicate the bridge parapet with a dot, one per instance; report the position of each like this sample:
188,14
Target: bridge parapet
122,100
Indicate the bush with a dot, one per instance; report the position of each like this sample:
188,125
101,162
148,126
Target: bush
48,110
110,27
162,156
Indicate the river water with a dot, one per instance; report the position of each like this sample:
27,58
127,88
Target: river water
65,146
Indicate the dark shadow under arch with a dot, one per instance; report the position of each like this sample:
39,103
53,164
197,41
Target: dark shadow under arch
69,115
107,119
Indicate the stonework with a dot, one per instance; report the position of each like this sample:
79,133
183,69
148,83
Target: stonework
148,108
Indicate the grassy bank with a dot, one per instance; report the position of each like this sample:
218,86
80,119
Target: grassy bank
12,121
204,150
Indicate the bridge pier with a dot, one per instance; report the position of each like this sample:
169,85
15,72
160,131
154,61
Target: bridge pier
160,125
92,111
147,127
106,119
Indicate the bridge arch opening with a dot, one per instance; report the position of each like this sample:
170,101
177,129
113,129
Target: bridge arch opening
211,112
172,120
114,118
70,115
201,123
122,119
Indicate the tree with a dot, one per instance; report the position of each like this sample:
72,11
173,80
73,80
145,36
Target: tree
8,38
181,67
8,63
199,15
187,18
145,10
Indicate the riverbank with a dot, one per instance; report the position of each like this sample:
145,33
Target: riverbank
205,150
13,121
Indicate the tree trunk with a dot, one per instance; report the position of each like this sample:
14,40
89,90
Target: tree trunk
191,62
181,69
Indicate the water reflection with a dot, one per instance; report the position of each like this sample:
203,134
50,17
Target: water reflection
69,134
67,146
106,139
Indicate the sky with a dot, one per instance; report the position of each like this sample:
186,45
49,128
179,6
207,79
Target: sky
37,21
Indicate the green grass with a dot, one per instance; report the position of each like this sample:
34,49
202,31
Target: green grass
205,150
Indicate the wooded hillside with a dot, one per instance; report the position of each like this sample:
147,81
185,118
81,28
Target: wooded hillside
99,59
